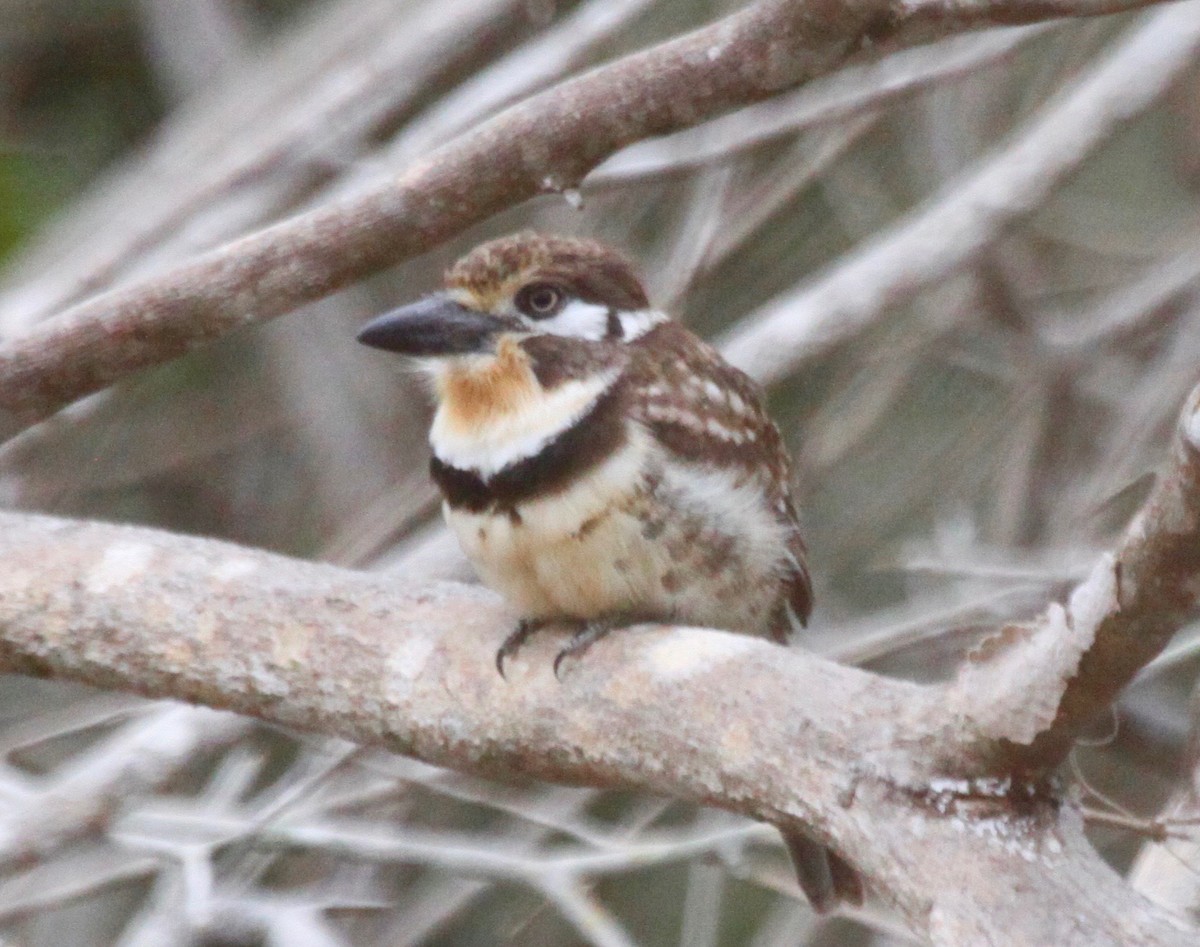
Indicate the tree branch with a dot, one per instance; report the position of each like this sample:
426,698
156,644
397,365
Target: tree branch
226,162
144,753
780,735
1073,662
547,143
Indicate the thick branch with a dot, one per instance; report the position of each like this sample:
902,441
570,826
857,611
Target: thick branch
546,144
350,654
736,722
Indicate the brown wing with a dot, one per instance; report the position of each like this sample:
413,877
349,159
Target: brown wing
703,409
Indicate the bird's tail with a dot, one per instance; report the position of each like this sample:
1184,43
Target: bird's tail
826,878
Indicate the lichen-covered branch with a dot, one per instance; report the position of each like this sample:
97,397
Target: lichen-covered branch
713,717
547,143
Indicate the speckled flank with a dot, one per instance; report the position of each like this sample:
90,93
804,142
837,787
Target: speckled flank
707,413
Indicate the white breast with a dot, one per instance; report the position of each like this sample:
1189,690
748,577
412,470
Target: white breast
518,433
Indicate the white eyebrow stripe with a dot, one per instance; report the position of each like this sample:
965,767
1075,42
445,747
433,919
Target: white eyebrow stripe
638,322
579,320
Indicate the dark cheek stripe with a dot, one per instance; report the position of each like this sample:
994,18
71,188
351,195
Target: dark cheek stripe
584,445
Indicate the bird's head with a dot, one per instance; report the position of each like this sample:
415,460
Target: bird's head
523,285
523,342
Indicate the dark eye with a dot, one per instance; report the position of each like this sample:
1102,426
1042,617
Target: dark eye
540,300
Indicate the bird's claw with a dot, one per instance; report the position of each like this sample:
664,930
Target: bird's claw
584,638
587,635
512,644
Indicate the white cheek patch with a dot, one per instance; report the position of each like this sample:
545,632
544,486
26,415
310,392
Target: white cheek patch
519,433
578,319
637,323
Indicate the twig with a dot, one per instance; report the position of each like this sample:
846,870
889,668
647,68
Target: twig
143,754
554,53
585,913
1151,828
222,165
51,886
193,42
1167,868
843,96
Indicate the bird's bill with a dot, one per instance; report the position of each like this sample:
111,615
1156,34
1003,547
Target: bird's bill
431,327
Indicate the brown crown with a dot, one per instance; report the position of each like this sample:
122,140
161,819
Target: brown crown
589,270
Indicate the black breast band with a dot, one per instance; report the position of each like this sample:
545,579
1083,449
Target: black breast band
582,446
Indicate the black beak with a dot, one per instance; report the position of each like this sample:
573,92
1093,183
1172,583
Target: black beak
433,326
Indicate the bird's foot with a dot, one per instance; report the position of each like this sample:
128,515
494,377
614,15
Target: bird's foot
512,644
588,634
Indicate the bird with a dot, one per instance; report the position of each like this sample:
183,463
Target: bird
602,466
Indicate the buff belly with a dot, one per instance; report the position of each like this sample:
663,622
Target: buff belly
635,538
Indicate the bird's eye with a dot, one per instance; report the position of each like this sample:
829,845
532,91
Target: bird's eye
540,300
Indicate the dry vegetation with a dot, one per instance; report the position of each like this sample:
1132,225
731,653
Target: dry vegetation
965,262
